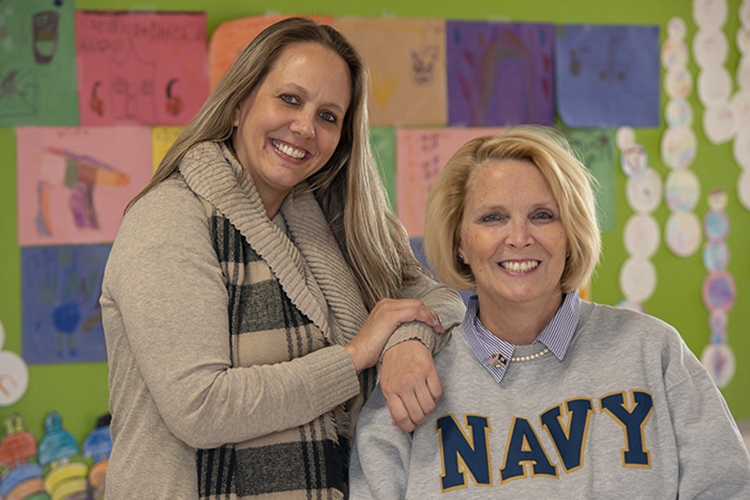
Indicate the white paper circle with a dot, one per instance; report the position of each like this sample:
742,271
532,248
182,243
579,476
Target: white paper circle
710,48
743,189
714,86
683,233
678,83
678,147
644,193
740,105
637,279
674,54
678,113
719,123
625,137
676,28
14,378
719,361
741,148
744,12
717,200
642,235
682,190
634,161
743,72
709,13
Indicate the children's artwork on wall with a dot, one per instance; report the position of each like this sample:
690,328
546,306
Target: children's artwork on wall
14,375
230,38
421,155
406,58
140,68
161,139
607,76
383,141
596,148
37,63
499,73
74,183
60,312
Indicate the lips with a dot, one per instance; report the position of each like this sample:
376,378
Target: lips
288,150
520,267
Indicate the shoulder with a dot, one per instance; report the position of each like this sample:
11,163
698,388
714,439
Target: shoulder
624,330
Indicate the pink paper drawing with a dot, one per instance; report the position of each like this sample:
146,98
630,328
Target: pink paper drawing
73,183
421,155
140,68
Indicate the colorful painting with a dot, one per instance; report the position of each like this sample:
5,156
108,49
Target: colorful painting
407,63
608,76
161,139
596,148
383,141
499,73
37,63
60,313
421,155
231,37
74,183
140,68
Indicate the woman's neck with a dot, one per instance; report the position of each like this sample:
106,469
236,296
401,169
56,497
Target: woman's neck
518,324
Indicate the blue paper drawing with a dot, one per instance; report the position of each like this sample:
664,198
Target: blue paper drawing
607,76
61,317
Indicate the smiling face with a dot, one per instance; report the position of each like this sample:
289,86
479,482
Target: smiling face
290,124
511,236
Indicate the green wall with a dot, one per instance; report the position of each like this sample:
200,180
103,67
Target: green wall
79,391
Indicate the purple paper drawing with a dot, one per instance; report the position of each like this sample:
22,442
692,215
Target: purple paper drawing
61,317
499,73
607,76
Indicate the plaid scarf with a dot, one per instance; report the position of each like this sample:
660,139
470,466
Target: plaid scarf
290,293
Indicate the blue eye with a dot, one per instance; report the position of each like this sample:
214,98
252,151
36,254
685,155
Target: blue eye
329,117
491,218
289,99
542,216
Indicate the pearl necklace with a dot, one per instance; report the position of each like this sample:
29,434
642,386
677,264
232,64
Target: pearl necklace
531,356
497,360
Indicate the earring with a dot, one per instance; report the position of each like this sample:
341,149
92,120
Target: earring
460,258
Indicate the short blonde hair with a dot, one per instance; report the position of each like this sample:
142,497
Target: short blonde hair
571,184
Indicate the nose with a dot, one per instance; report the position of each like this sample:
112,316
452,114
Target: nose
304,124
519,235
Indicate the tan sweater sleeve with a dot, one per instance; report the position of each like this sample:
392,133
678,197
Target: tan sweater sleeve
164,308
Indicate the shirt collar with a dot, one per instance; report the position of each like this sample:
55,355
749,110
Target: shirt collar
556,336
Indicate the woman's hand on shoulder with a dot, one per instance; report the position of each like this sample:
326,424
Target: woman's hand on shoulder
387,315
410,383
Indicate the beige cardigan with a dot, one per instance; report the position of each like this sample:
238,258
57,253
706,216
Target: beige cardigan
164,307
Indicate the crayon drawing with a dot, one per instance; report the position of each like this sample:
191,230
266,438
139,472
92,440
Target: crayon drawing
74,183
421,155
60,313
499,73
407,63
37,63
383,141
608,76
596,149
231,37
140,68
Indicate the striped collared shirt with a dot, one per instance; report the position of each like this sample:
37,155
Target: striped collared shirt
495,355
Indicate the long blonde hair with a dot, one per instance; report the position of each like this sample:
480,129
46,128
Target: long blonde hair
348,188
